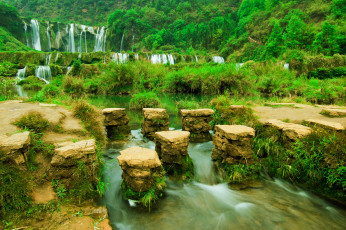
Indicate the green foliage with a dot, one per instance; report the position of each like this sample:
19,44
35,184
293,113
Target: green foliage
31,83
144,100
73,86
325,41
91,118
33,121
14,190
294,32
76,67
274,44
6,88
324,73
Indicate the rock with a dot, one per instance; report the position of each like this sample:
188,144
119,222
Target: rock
236,108
116,122
172,148
15,147
43,194
67,155
197,122
290,130
155,120
326,124
233,144
115,117
279,104
334,112
141,169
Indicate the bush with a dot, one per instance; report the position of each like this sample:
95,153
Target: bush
144,100
73,86
6,88
33,121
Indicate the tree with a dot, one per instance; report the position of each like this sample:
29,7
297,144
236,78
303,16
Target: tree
293,34
326,41
274,44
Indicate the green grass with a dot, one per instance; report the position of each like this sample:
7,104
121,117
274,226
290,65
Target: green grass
144,100
33,121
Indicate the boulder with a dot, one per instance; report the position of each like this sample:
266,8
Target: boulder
197,122
290,130
115,117
155,120
15,147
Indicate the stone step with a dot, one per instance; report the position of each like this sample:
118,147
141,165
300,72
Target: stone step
196,112
290,130
326,124
334,112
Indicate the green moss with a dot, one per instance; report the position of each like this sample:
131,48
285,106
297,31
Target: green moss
184,171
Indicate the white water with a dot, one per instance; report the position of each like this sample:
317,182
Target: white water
48,38
58,38
47,60
207,204
121,43
100,39
21,76
25,33
44,73
286,66
56,57
36,42
120,58
196,58
69,68
162,59
218,59
71,45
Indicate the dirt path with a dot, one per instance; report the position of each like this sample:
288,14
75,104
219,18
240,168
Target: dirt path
296,113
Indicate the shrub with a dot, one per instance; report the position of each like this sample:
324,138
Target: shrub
33,121
73,86
144,100
6,88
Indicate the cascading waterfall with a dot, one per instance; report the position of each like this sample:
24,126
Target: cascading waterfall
196,58
58,37
80,49
162,59
286,66
47,61
36,42
56,57
100,39
120,58
121,43
218,59
71,44
69,68
21,73
44,73
21,76
26,34
136,57
48,38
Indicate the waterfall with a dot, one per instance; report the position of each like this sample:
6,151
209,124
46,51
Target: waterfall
48,38
44,73
286,66
47,61
26,35
71,45
121,43
56,57
36,42
80,49
100,40
21,73
120,58
162,59
136,57
218,59
69,68
58,37
196,58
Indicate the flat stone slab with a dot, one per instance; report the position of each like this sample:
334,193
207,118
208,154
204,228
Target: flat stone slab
65,156
234,132
154,113
173,136
115,116
15,146
113,110
196,112
279,104
326,124
291,130
334,112
138,157
47,105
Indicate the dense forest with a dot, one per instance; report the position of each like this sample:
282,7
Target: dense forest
237,30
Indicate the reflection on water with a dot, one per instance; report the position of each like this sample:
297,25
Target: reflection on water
206,204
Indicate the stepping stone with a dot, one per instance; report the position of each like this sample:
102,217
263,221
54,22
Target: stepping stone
326,124
233,144
141,169
155,120
197,112
334,112
291,130
115,116
197,122
47,105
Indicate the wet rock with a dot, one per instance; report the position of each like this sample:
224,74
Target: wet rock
290,130
15,147
116,122
334,112
141,169
155,120
171,147
326,124
197,123
233,144
64,161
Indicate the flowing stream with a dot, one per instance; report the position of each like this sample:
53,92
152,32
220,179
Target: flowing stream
209,203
